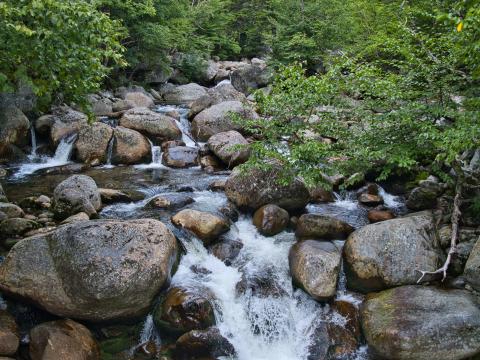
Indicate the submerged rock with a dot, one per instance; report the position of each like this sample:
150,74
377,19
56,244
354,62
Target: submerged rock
110,196
170,201
207,227
391,253
9,334
182,310
62,340
320,227
201,344
271,220
218,118
92,270
421,323
78,193
258,187
224,145
315,267
226,250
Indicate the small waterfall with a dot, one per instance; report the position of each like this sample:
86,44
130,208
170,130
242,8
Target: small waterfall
110,152
156,158
65,148
61,157
33,140
183,124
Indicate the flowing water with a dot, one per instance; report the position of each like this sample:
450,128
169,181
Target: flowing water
36,162
274,322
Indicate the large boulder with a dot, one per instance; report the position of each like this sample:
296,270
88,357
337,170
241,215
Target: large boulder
391,253
472,267
14,127
156,126
181,310
139,99
78,193
257,187
230,146
251,77
130,147
220,93
62,340
271,220
425,196
315,266
421,323
11,210
92,270
180,157
320,227
203,344
206,226
9,334
218,118
184,94
92,143
62,122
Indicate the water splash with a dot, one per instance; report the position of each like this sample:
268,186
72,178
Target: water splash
156,159
61,157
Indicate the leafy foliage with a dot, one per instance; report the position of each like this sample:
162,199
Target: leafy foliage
61,48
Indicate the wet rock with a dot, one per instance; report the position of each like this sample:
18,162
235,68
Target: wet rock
201,344
36,203
375,216
170,201
182,310
315,226
352,315
123,105
14,127
130,147
64,169
9,334
261,284
315,266
207,227
218,118
258,187
230,211
226,250
217,185
139,99
180,157
391,253
271,220
250,77
62,340
77,217
184,94
370,200
421,323
225,146
472,267
78,193
63,122
92,143
110,196
171,143
425,196
92,270
320,195
156,126
16,227
331,341
211,163
11,210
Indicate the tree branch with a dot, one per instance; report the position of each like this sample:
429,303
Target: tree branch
456,214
